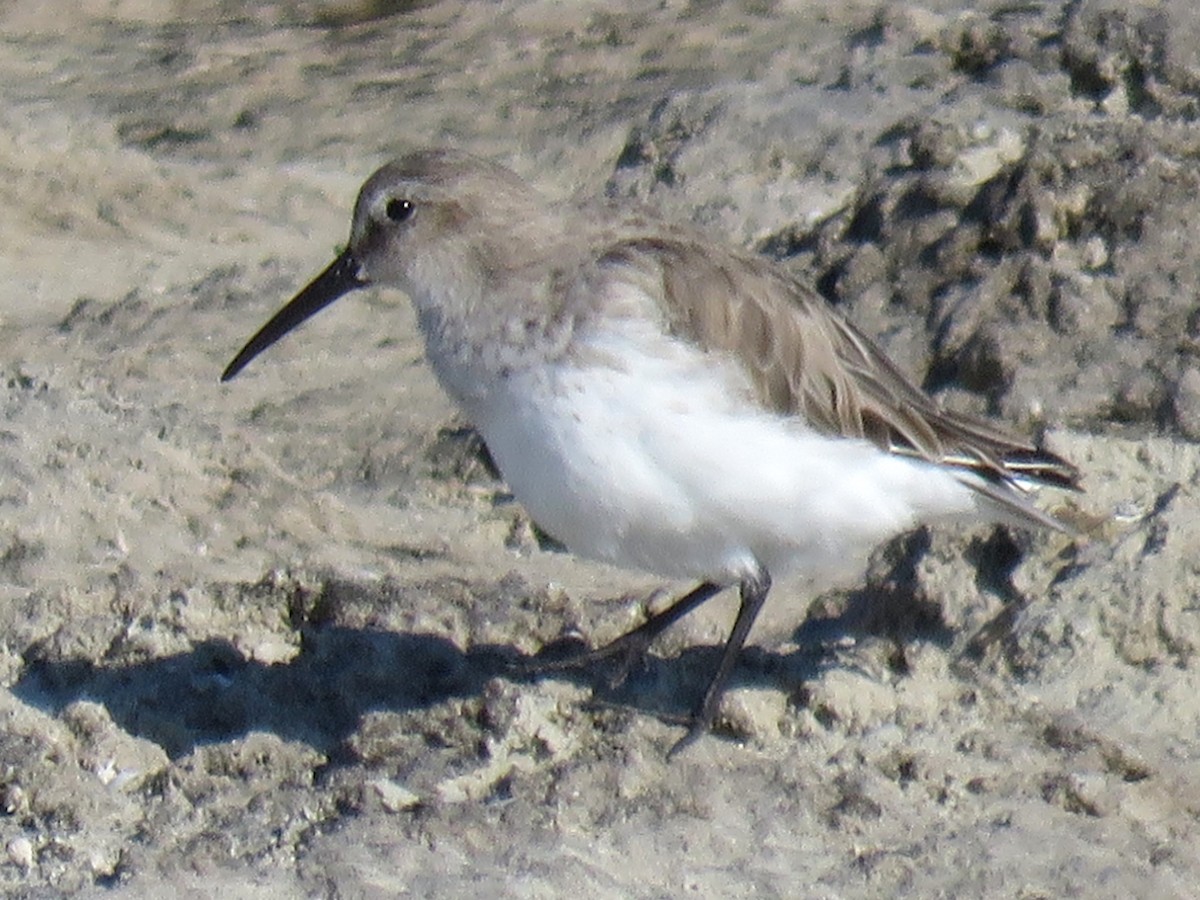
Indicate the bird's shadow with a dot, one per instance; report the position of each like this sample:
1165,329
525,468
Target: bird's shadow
212,693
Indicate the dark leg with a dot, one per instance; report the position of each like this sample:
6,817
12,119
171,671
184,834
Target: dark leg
754,592
632,646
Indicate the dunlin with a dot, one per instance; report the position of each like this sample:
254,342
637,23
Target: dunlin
662,401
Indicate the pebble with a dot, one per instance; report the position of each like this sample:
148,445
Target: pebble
20,852
394,797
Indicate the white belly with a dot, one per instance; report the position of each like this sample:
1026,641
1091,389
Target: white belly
650,456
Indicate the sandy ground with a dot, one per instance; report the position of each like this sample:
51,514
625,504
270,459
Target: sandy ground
253,638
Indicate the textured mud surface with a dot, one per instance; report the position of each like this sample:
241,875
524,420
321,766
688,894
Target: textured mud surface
255,639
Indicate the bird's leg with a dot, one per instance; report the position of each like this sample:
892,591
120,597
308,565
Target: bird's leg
632,646
753,592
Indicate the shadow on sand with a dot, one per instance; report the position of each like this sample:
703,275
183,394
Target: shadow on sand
213,693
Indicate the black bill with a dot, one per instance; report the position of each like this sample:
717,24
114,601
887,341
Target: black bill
340,278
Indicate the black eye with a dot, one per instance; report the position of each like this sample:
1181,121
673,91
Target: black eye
399,210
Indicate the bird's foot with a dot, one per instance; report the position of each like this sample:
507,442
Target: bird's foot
629,650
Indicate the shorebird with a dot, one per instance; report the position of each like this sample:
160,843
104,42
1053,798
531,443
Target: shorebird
663,401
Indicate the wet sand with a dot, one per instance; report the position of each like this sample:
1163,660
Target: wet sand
255,637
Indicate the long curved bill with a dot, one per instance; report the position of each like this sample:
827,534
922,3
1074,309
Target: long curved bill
341,277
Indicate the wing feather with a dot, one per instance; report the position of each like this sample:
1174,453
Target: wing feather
804,358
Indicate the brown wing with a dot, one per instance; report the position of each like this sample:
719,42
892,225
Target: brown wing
805,358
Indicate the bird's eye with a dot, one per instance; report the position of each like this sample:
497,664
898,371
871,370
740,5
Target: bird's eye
399,210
